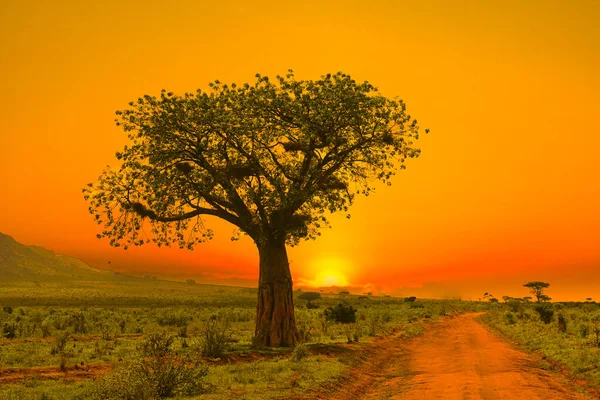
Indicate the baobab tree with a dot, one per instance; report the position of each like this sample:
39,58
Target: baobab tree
272,158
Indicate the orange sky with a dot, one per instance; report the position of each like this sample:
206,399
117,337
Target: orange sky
507,188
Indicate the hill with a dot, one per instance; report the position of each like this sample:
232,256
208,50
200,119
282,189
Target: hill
19,262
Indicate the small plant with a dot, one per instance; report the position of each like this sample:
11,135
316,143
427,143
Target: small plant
9,330
509,318
79,324
584,330
341,312
545,312
514,305
562,323
60,344
214,337
596,331
300,352
158,373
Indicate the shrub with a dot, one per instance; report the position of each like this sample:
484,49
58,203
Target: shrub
300,352
562,323
214,337
173,318
410,299
545,312
78,322
514,305
509,318
9,330
7,309
158,373
60,344
309,296
341,312
584,330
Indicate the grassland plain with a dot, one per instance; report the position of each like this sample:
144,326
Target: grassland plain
568,341
80,340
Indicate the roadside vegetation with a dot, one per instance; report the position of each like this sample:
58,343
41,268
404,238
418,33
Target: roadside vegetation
187,341
566,335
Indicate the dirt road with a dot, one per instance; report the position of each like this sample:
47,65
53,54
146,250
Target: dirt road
456,358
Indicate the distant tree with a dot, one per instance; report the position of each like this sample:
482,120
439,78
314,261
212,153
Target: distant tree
506,298
537,289
410,299
309,296
526,299
544,298
272,159
493,300
190,282
344,293
588,299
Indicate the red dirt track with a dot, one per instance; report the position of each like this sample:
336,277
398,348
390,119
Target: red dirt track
456,358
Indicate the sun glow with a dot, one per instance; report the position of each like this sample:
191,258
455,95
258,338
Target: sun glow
330,273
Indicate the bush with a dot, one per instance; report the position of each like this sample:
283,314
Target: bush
78,322
514,305
158,373
584,330
341,312
509,318
546,312
60,344
214,337
9,330
562,323
300,352
410,299
173,318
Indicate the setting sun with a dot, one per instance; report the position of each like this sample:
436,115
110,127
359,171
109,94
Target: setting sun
329,272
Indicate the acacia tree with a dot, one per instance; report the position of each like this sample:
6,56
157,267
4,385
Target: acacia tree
271,158
537,288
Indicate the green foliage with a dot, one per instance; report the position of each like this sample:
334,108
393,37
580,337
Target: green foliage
173,318
309,296
341,312
300,352
509,318
537,289
562,323
9,330
214,337
545,312
584,330
281,152
60,344
158,373
410,299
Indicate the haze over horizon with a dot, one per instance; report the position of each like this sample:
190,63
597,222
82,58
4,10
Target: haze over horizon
506,189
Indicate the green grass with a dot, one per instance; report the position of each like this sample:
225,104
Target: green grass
106,322
576,349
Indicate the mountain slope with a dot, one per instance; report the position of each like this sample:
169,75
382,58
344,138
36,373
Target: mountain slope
21,262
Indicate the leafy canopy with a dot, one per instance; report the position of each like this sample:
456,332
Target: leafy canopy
272,158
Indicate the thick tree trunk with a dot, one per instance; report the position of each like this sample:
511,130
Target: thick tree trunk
275,322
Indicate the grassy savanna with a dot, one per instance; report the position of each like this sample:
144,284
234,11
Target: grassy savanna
63,346
567,339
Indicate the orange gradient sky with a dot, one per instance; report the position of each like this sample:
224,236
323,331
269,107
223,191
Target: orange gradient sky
507,188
